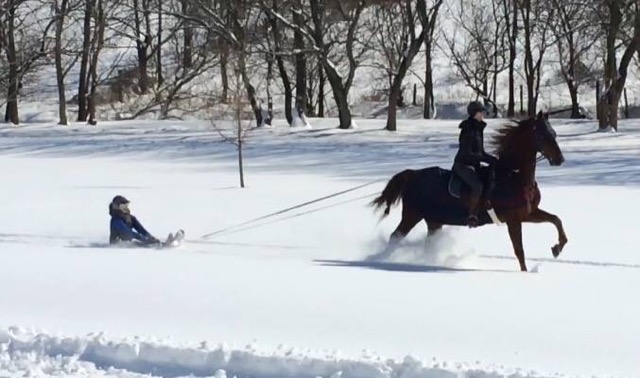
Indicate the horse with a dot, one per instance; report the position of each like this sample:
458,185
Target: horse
440,198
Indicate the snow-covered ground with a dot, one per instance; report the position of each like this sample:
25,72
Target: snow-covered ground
292,295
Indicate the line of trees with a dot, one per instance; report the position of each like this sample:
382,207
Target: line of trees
164,56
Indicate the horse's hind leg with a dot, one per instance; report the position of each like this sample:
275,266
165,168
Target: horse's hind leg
433,228
541,216
409,220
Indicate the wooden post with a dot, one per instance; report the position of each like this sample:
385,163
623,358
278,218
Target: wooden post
597,99
626,104
521,100
415,94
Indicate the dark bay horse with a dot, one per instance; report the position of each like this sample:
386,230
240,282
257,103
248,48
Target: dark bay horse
439,198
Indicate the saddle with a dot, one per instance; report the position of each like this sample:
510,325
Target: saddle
455,184
455,188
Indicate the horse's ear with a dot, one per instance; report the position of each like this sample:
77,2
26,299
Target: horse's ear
540,115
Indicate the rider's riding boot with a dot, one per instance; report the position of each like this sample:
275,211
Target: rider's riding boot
473,221
488,192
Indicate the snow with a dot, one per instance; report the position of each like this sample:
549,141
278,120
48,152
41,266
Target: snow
302,293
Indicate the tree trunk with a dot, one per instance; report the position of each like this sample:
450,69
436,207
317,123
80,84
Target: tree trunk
428,20
83,84
575,107
321,81
187,54
100,25
609,103
513,39
224,72
11,110
340,88
286,84
396,87
239,136
270,59
159,50
529,67
301,65
141,48
428,83
344,113
288,92
61,11
251,91
240,164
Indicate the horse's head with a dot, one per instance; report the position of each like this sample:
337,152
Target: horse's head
545,139
518,146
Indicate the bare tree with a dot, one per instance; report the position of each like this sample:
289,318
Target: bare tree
188,10
301,64
315,87
83,82
160,77
536,16
23,45
575,35
62,50
97,42
390,39
7,34
346,33
143,38
339,85
279,51
510,12
239,131
477,50
399,43
237,31
60,9
429,22
321,93
615,13
173,96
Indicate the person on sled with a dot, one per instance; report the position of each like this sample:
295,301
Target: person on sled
470,154
125,227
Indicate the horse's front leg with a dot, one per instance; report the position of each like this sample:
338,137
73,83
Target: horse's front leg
515,233
541,216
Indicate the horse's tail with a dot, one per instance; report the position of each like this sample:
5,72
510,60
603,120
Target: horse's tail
393,191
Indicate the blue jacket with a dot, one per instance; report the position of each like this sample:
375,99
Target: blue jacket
127,228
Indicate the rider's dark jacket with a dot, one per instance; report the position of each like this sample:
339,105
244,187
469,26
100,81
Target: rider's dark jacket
471,144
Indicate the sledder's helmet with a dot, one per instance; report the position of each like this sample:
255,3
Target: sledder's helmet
474,107
119,200
120,203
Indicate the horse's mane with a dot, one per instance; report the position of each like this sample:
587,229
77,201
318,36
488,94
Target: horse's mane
507,135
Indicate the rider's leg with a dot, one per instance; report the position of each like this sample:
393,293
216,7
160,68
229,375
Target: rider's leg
469,176
489,185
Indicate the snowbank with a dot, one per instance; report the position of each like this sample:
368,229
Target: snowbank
93,355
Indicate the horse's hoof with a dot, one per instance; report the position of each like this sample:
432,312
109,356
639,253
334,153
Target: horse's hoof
555,250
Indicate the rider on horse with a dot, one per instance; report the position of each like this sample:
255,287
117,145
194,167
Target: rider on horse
470,154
